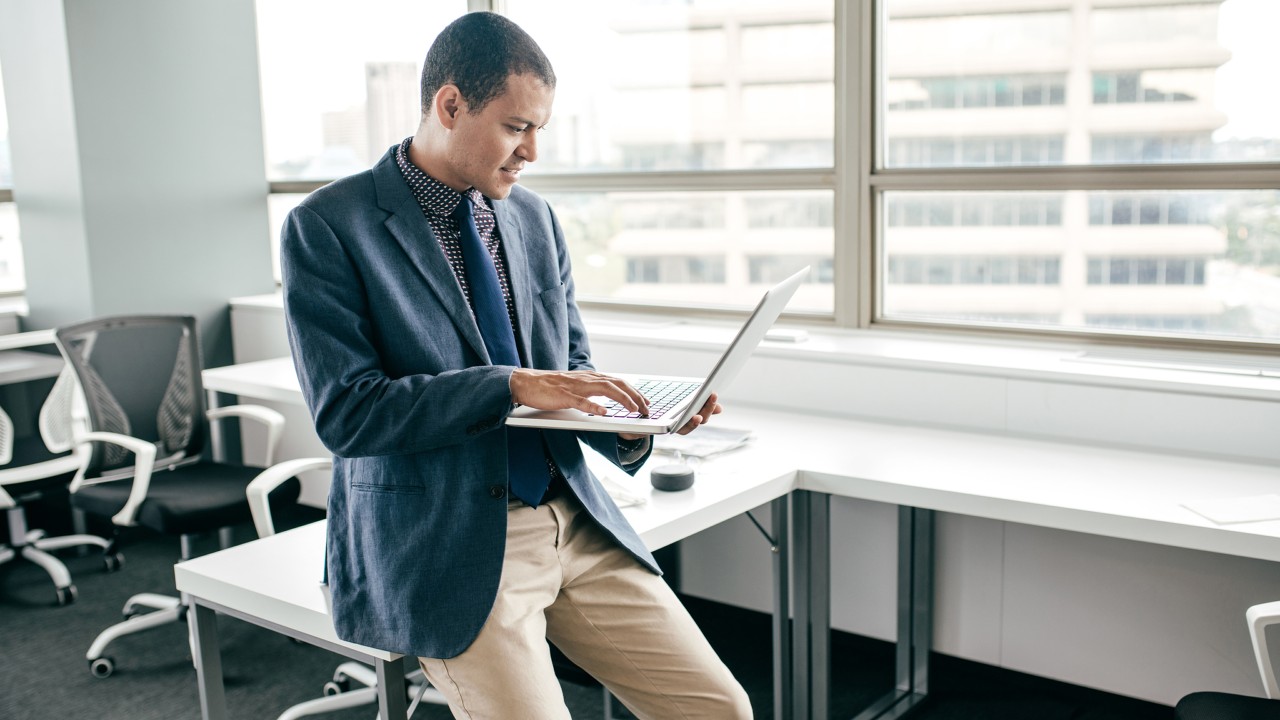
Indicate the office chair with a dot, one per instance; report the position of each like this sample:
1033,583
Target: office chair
143,460
338,694
1229,706
33,462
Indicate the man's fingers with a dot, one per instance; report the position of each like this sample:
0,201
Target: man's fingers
553,390
694,422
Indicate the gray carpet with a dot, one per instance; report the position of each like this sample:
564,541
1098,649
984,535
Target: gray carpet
44,674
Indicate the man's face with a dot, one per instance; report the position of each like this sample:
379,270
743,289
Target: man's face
488,149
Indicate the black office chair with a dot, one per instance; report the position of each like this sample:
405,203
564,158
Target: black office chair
36,459
1228,706
145,461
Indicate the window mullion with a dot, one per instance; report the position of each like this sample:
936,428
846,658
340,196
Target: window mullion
1092,177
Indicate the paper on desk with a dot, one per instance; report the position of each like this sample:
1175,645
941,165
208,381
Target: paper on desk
703,442
623,496
1224,511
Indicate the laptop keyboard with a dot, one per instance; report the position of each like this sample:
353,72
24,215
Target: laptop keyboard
661,394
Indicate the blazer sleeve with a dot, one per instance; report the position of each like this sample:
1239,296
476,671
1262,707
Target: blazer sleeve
580,355
357,408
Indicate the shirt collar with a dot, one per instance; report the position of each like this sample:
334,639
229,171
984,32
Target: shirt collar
434,196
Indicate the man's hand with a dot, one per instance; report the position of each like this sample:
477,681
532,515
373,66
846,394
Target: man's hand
710,408
561,390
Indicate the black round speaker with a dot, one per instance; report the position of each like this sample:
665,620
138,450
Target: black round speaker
671,477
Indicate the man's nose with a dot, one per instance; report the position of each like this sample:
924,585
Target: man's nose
528,148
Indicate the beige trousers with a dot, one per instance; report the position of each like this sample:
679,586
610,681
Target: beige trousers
565,581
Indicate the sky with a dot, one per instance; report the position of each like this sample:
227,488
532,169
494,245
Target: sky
1246,89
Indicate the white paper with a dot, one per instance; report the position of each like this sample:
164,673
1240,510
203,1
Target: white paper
702,442
623,496
1224,511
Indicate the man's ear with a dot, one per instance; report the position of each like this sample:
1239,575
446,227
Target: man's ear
448,105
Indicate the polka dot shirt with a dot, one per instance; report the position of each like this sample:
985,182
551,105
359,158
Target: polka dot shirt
438,202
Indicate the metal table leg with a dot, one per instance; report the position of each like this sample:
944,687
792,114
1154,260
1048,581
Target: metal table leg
782,679
811,636
915,617
392,702
208,660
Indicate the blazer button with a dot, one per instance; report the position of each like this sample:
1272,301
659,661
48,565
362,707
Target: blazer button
497,492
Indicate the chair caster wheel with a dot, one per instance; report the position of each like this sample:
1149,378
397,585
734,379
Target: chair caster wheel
66,595
336,687
102,667
113,562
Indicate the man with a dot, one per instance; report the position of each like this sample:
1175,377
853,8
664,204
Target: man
424,300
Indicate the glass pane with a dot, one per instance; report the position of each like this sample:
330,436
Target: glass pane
698,85
1192,263
278,206
1162,83
11,276
6,167
340,80
718,249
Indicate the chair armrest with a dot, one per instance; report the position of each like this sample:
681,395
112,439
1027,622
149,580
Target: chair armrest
272,419
1260,617
144,454
269,480
6,438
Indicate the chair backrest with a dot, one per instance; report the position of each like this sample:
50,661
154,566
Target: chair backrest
140,376
39,448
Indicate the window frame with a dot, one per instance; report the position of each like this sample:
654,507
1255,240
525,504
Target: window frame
859,181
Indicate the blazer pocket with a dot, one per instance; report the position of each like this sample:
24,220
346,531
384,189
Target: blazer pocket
553,299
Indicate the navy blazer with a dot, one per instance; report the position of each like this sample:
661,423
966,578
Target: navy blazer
398,382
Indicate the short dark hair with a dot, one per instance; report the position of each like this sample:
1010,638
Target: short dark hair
477,52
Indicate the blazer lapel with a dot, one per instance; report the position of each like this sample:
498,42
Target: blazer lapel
409,226
513,244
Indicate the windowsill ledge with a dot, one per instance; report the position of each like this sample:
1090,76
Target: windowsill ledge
1218,375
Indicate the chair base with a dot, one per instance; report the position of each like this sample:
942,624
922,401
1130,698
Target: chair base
34,547
338,697
165,610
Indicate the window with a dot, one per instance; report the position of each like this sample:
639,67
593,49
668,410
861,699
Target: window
675,107
1053,166
330,108
934,93
1077,244
1151,86
701,248
12,279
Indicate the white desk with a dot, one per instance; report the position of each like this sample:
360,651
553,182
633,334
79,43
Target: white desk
275,582
1101,491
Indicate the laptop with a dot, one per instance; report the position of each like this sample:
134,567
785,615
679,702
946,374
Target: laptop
672,400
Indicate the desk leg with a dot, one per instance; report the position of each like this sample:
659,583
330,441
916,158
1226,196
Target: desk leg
811,635
391,689
915,617
915,599
208,659
782,688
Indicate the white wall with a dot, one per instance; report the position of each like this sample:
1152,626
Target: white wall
138,165
1141,620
